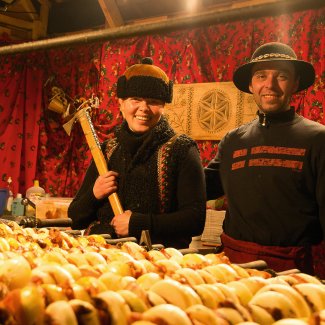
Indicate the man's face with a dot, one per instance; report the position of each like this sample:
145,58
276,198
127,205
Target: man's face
141,114
272,85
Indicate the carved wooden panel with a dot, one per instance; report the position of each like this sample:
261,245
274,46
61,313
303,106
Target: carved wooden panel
206,111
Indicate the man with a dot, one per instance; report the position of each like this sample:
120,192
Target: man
272,169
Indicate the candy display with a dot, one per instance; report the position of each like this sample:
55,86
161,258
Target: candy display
49,276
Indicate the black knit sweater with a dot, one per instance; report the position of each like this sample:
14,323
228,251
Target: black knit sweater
274,180
171,221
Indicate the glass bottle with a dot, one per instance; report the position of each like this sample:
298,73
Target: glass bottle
7,210
34,194
18,209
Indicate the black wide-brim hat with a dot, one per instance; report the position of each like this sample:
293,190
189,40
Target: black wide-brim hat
274,51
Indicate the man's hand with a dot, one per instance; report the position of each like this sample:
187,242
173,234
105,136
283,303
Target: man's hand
105,185
120,223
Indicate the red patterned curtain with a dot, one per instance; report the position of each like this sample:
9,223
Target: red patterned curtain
20,115
63,159
33,144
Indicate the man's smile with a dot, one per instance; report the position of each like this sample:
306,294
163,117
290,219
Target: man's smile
269,96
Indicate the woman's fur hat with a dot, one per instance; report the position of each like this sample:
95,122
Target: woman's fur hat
145,80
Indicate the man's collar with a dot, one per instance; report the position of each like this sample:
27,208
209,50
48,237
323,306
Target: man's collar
266,119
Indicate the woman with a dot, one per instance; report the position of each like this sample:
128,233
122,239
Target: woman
156,173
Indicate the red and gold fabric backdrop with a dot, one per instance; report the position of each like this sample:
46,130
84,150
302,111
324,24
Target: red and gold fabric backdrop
33,144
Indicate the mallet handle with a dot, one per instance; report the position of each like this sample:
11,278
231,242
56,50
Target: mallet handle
98,156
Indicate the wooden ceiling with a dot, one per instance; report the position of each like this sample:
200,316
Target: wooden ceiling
26,20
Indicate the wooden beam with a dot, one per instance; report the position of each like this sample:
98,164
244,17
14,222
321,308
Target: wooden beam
111,12
172,24
29,9
40,25
147,20
15,22
247,3
221,6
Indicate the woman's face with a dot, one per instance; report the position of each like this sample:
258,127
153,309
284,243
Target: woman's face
141,114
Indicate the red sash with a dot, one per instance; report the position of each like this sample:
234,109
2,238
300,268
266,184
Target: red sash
277,258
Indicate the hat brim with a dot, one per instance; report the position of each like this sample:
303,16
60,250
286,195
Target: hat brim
306,72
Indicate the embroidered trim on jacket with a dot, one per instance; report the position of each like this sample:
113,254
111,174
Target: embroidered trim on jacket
110,148
162,166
